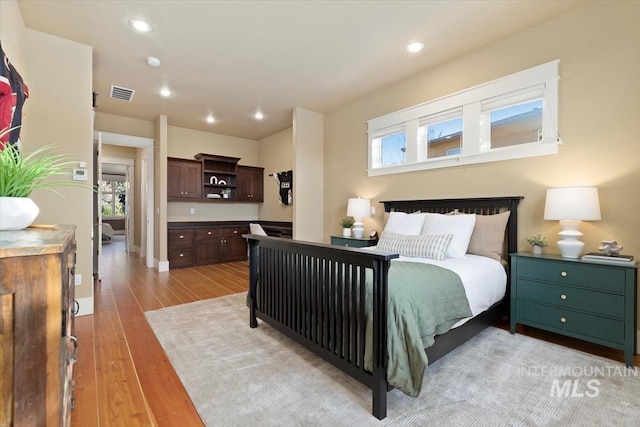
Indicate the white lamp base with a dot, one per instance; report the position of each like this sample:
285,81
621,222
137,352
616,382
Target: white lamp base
358,230
569,244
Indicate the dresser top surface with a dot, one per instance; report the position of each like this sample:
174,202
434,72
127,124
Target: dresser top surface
35,241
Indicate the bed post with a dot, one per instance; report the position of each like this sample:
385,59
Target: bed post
253,281
380,290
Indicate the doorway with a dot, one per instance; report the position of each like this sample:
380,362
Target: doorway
143,194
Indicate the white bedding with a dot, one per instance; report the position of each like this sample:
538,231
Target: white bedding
484,279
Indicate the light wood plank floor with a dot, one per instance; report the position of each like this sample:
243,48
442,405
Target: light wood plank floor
123,377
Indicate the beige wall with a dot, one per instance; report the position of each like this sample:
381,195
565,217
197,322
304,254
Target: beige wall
123,125
598,47
56,114
276,155
185,143
119,151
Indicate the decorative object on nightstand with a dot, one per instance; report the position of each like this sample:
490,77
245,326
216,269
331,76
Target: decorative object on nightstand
571,205
346,225
592,301
610,247
358,208
537,242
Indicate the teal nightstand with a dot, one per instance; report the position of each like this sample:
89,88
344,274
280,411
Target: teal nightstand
585,300
352,242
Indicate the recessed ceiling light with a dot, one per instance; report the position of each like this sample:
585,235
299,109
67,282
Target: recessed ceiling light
210,119
140,25
165,92
258,115
153,61
415,47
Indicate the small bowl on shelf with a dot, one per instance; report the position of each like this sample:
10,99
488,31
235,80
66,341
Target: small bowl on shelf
213,196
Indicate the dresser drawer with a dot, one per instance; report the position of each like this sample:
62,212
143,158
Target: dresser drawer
235,231
209,233
582,325
181,238
181,257
574,298
601,277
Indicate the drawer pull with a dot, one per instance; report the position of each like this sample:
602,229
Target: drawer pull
563,297
208,232
181,236
235,231
74,356
563,274
563,320
346,244
181,255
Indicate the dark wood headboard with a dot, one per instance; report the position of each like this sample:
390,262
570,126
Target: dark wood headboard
479,206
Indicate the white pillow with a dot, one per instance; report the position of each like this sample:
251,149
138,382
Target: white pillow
403,223
461,226
256,229
431,246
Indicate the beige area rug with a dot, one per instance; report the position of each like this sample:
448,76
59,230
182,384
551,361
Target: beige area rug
237,376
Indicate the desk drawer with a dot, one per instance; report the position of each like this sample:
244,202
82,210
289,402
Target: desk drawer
181,238
604,277
181,257
209,233
561,320
575,298
235,231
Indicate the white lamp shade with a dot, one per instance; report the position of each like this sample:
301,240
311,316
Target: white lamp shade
359,208
575,203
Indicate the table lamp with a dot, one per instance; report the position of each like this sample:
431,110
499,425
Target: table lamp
358,208
571,205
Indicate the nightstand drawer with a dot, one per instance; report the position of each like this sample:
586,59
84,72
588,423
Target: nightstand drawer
352,242
604,277
580,324
575,298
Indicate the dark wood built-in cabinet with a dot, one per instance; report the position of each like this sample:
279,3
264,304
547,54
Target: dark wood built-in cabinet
192,244
38,348
184,179
212,178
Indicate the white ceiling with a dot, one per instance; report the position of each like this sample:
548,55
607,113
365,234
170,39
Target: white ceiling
230,58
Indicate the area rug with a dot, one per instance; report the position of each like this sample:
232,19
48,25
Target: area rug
238,376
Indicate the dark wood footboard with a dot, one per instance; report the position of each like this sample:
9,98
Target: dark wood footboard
315,294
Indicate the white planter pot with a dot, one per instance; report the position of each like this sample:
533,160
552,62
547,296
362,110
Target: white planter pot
17,213
346,232
537,250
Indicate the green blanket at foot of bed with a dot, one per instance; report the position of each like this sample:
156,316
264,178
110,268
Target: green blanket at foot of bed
424,300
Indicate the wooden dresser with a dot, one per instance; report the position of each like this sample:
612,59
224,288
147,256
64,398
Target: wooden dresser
38,349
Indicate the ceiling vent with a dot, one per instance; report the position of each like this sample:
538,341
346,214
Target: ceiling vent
123,93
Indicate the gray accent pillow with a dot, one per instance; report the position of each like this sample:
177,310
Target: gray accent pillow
433,246
487,238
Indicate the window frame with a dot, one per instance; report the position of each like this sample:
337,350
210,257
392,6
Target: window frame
540,82
113,194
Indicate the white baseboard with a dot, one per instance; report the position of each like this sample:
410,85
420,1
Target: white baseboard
161,266
85,306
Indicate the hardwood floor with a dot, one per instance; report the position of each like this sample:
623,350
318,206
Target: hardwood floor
123,377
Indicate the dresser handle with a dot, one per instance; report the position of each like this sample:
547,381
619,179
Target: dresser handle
209,232
563,297
182,237
563,320
235,231
181,255
563,274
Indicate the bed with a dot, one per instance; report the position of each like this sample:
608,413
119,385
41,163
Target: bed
335,301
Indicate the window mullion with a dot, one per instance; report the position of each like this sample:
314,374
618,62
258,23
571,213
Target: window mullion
411,141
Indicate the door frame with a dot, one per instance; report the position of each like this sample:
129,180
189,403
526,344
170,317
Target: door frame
130,199
147,227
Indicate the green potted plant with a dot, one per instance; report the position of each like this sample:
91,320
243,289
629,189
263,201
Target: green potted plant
537,242
346,225
20,174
